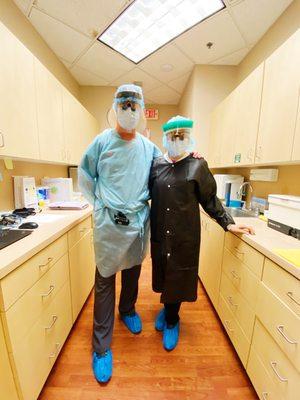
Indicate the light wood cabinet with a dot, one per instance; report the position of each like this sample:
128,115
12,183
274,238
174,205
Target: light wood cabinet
212,241
51,286
79,128
228,129
279,103
7,385
82,271
248,102
18,115
296,145
50,114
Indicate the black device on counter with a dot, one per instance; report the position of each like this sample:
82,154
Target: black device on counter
9,236
28,225
24,212
121,219
287,230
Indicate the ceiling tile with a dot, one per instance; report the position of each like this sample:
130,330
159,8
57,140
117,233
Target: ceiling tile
87,78
256,16
167,55
22,4
232,59
104,62
86,15
180,83
137,75
220,30
163,95
64,41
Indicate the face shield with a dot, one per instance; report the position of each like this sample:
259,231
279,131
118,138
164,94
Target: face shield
128,109
177,138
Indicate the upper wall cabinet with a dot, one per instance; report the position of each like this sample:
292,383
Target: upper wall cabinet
18,116
228,130
50,115
248,102
39,119
79,128
279,103
296,146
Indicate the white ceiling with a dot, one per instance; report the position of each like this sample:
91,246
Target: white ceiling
70,28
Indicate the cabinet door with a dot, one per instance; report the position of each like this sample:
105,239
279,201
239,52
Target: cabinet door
228,130
214,152
279,103
50,114
7,385
296,145
80,127
82,271
248,104
18,118
211,251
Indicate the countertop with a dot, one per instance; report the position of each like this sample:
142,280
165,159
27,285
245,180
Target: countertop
267,239
52,225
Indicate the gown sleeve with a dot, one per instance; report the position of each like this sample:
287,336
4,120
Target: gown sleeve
207,196
87,170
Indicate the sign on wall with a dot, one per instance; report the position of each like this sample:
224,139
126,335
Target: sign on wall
151,113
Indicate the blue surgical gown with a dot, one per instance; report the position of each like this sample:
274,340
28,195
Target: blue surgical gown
113,176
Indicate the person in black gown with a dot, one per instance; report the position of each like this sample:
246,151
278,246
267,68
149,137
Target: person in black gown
178,184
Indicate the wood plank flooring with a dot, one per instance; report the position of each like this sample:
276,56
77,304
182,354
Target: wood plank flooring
203,366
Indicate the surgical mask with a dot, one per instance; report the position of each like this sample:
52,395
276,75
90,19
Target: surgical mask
177,147
128,119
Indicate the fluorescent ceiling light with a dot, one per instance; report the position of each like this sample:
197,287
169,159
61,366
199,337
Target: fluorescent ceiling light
147,25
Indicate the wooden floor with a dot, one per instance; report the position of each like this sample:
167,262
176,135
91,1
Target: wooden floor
203,366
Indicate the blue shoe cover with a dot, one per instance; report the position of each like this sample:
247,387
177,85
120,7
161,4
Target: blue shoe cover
102,366
160,320
132,322
170,337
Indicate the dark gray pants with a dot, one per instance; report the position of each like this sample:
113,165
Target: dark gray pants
104,306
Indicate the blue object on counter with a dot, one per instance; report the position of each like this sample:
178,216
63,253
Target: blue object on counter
227,193
236,203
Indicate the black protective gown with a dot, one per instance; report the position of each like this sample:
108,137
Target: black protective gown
176,191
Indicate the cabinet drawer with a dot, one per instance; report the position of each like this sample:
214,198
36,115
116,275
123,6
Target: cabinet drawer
234,331
25,276
251,257
241,277
285,285
284,376
36,299
75,234
36,354
260,379
282,323
238,305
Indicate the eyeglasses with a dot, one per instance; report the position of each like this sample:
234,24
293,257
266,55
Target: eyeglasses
180,134
128,104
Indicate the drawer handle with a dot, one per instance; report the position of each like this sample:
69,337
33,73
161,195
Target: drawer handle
235,275
49,291
239,251
227,326
280,330
47,263
54,354
290,295
265,395
54,319
230,299
274,365
82,230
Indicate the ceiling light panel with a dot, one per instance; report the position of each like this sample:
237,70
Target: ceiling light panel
147,25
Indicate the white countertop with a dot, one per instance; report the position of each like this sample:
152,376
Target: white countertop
52,225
